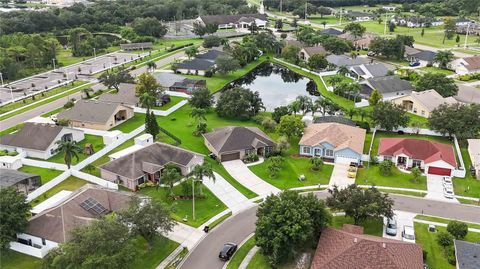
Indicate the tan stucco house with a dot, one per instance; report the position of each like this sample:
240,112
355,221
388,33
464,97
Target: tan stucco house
423,103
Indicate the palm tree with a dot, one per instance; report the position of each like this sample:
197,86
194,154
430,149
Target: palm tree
324,23
354,89
323,103
147,100
305,103
199,172
335,80
69,149
198,114
294,107
87,92
316,163
351,112
362,113
342,70
443,57
169,176
151,65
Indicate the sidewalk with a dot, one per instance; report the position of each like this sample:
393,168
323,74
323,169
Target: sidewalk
186,235
339,176
442,224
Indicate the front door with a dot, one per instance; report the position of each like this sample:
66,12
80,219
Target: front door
402,160
318,152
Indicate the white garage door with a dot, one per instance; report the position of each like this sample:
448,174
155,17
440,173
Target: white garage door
345,160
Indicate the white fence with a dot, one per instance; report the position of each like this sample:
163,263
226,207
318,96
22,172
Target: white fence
94,179
39,248
45,187
44,164
161,112
461,171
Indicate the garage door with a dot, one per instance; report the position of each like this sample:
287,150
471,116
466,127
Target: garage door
345,160
230,156
439,171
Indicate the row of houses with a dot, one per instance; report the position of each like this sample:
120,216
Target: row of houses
200,64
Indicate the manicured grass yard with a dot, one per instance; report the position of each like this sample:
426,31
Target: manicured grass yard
368,141
435,256
446,221
292,168
133,123
70,184
150,259
64,56
240,254
15,260
173,101
259,261
468,186
45,174
96,141
205,208
398,179
370,226
327,19
432,69
379,135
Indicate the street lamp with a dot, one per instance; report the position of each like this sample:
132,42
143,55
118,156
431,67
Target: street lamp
53,60
1,77
94,53
466,36
11,93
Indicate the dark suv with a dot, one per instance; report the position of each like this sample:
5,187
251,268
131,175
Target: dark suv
227,251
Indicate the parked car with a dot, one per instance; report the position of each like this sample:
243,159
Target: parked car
408,234
227,251
414,64
448,192
391,227
352,171
447,181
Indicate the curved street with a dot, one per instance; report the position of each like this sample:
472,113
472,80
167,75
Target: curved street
238,227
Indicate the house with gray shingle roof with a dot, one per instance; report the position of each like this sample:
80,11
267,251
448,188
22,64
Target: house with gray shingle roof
22,182
389,87
467,255
235,20
307,52
194,67
125,95
38,140
235,142
423,103
147,164
93,114
366,71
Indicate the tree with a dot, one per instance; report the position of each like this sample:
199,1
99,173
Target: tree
201,171
279,24
240,103
288,221
379,19
391,27
457,39
87,92
201,98
226,64
317,163
69,149
104,243
147,84
170,176
147,100
389,116
386,168
112,80
449,26
305,103
191,52
14,214
212,41
149,27
439,82
456,119
279,112
148,220
342,70
290,53
458,229
198,114
335,80
282,144
374,98
151,65
199,29
324,23
317,61
290,126
356,29
211,28
337,45
269,124
274,164
351,112
443,58
444,239
360,204
416,174
423,32
151,124
201,128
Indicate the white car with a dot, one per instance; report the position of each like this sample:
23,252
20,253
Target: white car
447,181
408,234
448,193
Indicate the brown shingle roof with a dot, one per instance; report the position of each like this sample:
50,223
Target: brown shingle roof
38,136
90,111
235,138
341,249
315,50
473,63
339,135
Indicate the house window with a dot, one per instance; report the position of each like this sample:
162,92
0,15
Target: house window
329,152
416,163
306,150
318,152
387,158
140,180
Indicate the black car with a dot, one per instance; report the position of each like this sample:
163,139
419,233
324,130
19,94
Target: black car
227,251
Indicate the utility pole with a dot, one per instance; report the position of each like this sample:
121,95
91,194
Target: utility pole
466,36
53,60
193,196
94,53
305,11
280,6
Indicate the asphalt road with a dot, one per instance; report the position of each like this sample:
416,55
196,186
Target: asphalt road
238,227
17,119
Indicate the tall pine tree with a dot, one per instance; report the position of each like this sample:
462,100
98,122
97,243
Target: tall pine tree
153,129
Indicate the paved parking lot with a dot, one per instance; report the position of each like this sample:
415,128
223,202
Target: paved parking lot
435,189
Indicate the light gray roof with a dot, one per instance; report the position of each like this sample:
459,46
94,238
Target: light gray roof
376,70
315,50
432,99
468,254
235,138
37,136
10,177
166,79
468,94
90,111
156,155
389,84
424,55
226,19
343,60
125,95
210,55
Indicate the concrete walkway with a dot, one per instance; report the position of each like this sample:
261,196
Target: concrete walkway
339,176
238,170
230,196
248,258
186,235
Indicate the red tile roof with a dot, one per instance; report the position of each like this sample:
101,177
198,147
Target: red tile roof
417,149
341,249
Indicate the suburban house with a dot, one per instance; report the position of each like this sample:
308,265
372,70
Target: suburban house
467,65
210,55
462,22
344,60
418,22
335,119
389,87
307,52
423,57
467,254
38,140
188,85
366,71
474,152
360,16
147,163
235,142
337,142
167,79
194,67
126,95
359,42
432,157
237,21
137,46
423,103
349,247
49,228
22,182
92,114
467,94
331,31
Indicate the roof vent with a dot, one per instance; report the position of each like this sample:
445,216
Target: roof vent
384,245
355,240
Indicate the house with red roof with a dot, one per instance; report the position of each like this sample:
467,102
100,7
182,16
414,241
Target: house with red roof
432,157
349,248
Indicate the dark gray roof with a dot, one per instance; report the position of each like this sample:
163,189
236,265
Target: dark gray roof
132,46
377,69
226,19
389,84
90,111
125,95
155,155
335,119
196,64
468,254
235,138
344,60
315,50
38,136
353,14
424,55
210,55
9,177
331,31
166,79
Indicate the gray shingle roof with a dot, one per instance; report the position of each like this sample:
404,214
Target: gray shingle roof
343,60
331,31
166,79
38,136
376,70
467,94
424,55
315,50
210,55
335,119
226,19
125,95
235,138
196,64
468,254
90,111
389,84
158,154
9,177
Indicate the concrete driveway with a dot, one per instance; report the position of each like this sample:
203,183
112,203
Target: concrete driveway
230,196
435,189
403,219
339,176
239,170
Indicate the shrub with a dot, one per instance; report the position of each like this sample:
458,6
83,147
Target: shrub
373,160
364,125
386,168
269,124
250,158
444,239
258,119
283,35
450,254
458,229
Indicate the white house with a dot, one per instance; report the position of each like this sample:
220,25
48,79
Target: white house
10,162
467,65
237,21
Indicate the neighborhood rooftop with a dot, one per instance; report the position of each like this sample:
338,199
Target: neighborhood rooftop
36,136
90,111
10,177
467,254
431,99
233,138
344,60
226,19
196,64
126,95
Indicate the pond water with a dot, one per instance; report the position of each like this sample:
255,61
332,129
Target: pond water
277,85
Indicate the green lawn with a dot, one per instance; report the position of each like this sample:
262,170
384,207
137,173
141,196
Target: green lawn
435,256
368,141
398,179
173,101
370,226
259,261
70,184
432,69
468,186
10,259
45,174
292,168
65,57
133,123
240,254
150,259
327,19
379,135
344,79
96,141
446,221
410,193
205,208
